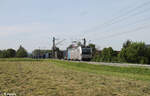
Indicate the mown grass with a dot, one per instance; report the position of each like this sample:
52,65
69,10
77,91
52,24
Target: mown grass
61,78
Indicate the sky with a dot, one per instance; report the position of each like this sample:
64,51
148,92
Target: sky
33,23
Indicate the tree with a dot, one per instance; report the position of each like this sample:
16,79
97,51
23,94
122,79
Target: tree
97,56
11,52
93,48
127,44
0,53
148,54
95,52
136,52
122,55
21,52
108,54
3,54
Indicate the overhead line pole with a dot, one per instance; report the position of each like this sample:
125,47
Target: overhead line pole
84,42
54,47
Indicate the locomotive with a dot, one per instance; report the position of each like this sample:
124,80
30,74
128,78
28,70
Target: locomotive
79,53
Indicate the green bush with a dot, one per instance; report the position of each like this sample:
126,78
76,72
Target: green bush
3,54
11,53
136,52
108,55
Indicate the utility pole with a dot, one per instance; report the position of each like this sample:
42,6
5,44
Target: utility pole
39,53
55,50
54,47
84,40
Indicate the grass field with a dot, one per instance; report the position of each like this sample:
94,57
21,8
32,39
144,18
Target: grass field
28,77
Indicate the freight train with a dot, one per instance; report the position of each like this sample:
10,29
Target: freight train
72,53
78,53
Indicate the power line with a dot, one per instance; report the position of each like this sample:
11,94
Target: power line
126,32
113,20
132,10
134,23
116,34
135,14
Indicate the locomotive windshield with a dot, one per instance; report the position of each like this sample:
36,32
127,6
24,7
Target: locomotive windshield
86,51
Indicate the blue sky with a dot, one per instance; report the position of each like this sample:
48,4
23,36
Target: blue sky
33,23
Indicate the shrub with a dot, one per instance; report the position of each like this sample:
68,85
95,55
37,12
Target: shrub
136,52
21,52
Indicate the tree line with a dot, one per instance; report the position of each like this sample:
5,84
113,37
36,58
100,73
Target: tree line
131,52
11,53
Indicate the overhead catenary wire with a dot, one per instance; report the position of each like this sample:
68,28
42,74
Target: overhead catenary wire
130,24
131,11
122,17
126,32
136,22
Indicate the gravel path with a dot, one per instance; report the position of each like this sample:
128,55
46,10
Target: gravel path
116,64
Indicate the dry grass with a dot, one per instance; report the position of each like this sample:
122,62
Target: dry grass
43,78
